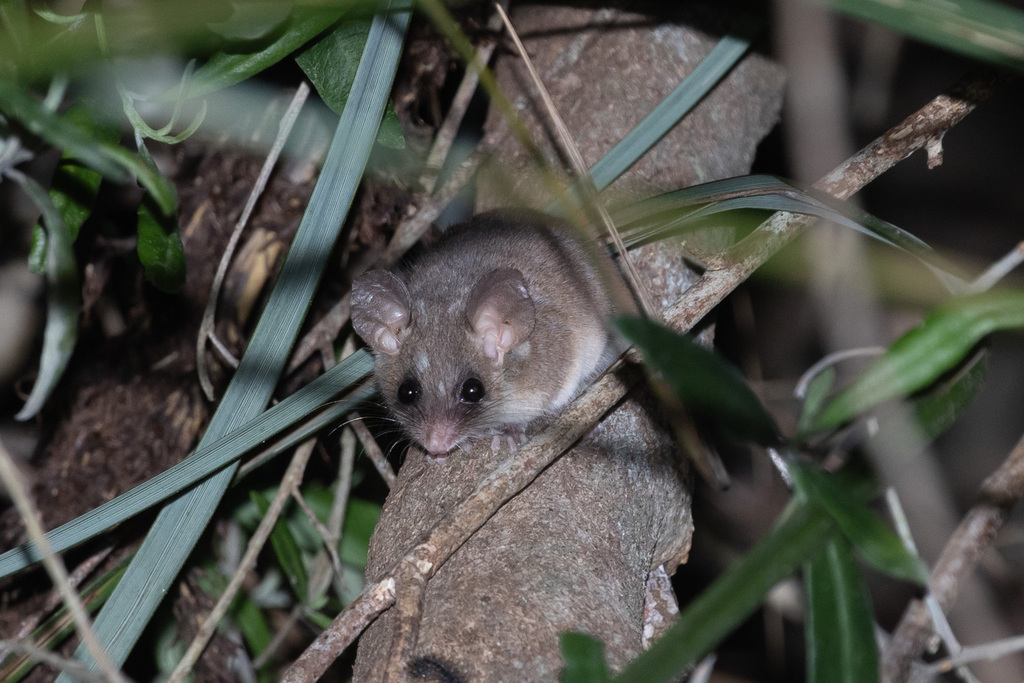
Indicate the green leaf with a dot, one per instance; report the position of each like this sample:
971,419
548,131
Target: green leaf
37,252
702,380
331,62
840,632
939,407
225,69
252,19
285,548
875,542
817,391
63,299
990,31
160,249
925,353
797,537
112,161
390,132
584,659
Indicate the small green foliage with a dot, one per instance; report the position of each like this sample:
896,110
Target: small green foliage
922,355
875,542
840,631
584,659
160,250
286,549
707,384
331,62
225,69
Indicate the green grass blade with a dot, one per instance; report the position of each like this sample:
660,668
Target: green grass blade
796,538
210,458
926,352
993,32
286,549
702,80
840,634
179,525
64,300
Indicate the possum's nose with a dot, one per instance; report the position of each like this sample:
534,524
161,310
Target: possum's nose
439,438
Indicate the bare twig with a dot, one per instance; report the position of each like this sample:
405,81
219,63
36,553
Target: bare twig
972,538
55,566
289,484
206,326
1000,269
516,472
374,452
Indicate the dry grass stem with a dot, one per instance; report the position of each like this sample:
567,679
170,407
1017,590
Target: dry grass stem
210,313
55,566
374,452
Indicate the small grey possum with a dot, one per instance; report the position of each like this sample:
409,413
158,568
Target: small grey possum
502,322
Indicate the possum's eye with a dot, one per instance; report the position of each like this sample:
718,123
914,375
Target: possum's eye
408,391
472,390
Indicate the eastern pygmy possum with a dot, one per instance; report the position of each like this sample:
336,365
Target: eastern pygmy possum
502,322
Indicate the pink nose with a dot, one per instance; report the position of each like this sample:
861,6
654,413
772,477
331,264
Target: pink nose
439,438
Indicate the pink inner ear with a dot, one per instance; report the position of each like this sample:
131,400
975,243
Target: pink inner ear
380,310
500,312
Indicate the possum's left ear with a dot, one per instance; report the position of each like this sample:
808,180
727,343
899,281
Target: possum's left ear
500,313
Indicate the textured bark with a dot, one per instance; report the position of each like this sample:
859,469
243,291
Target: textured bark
574,550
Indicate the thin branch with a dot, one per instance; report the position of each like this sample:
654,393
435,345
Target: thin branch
71,666
965,548
460,103
55,566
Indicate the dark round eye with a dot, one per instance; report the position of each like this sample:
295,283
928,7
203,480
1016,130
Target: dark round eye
472,390
408,391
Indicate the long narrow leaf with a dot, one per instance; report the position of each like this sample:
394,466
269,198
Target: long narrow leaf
923,354
840,634
798,536
180,524
676,212
208,459
984,30
64,300
703,380
875,542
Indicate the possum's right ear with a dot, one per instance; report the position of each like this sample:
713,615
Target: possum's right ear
380,310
